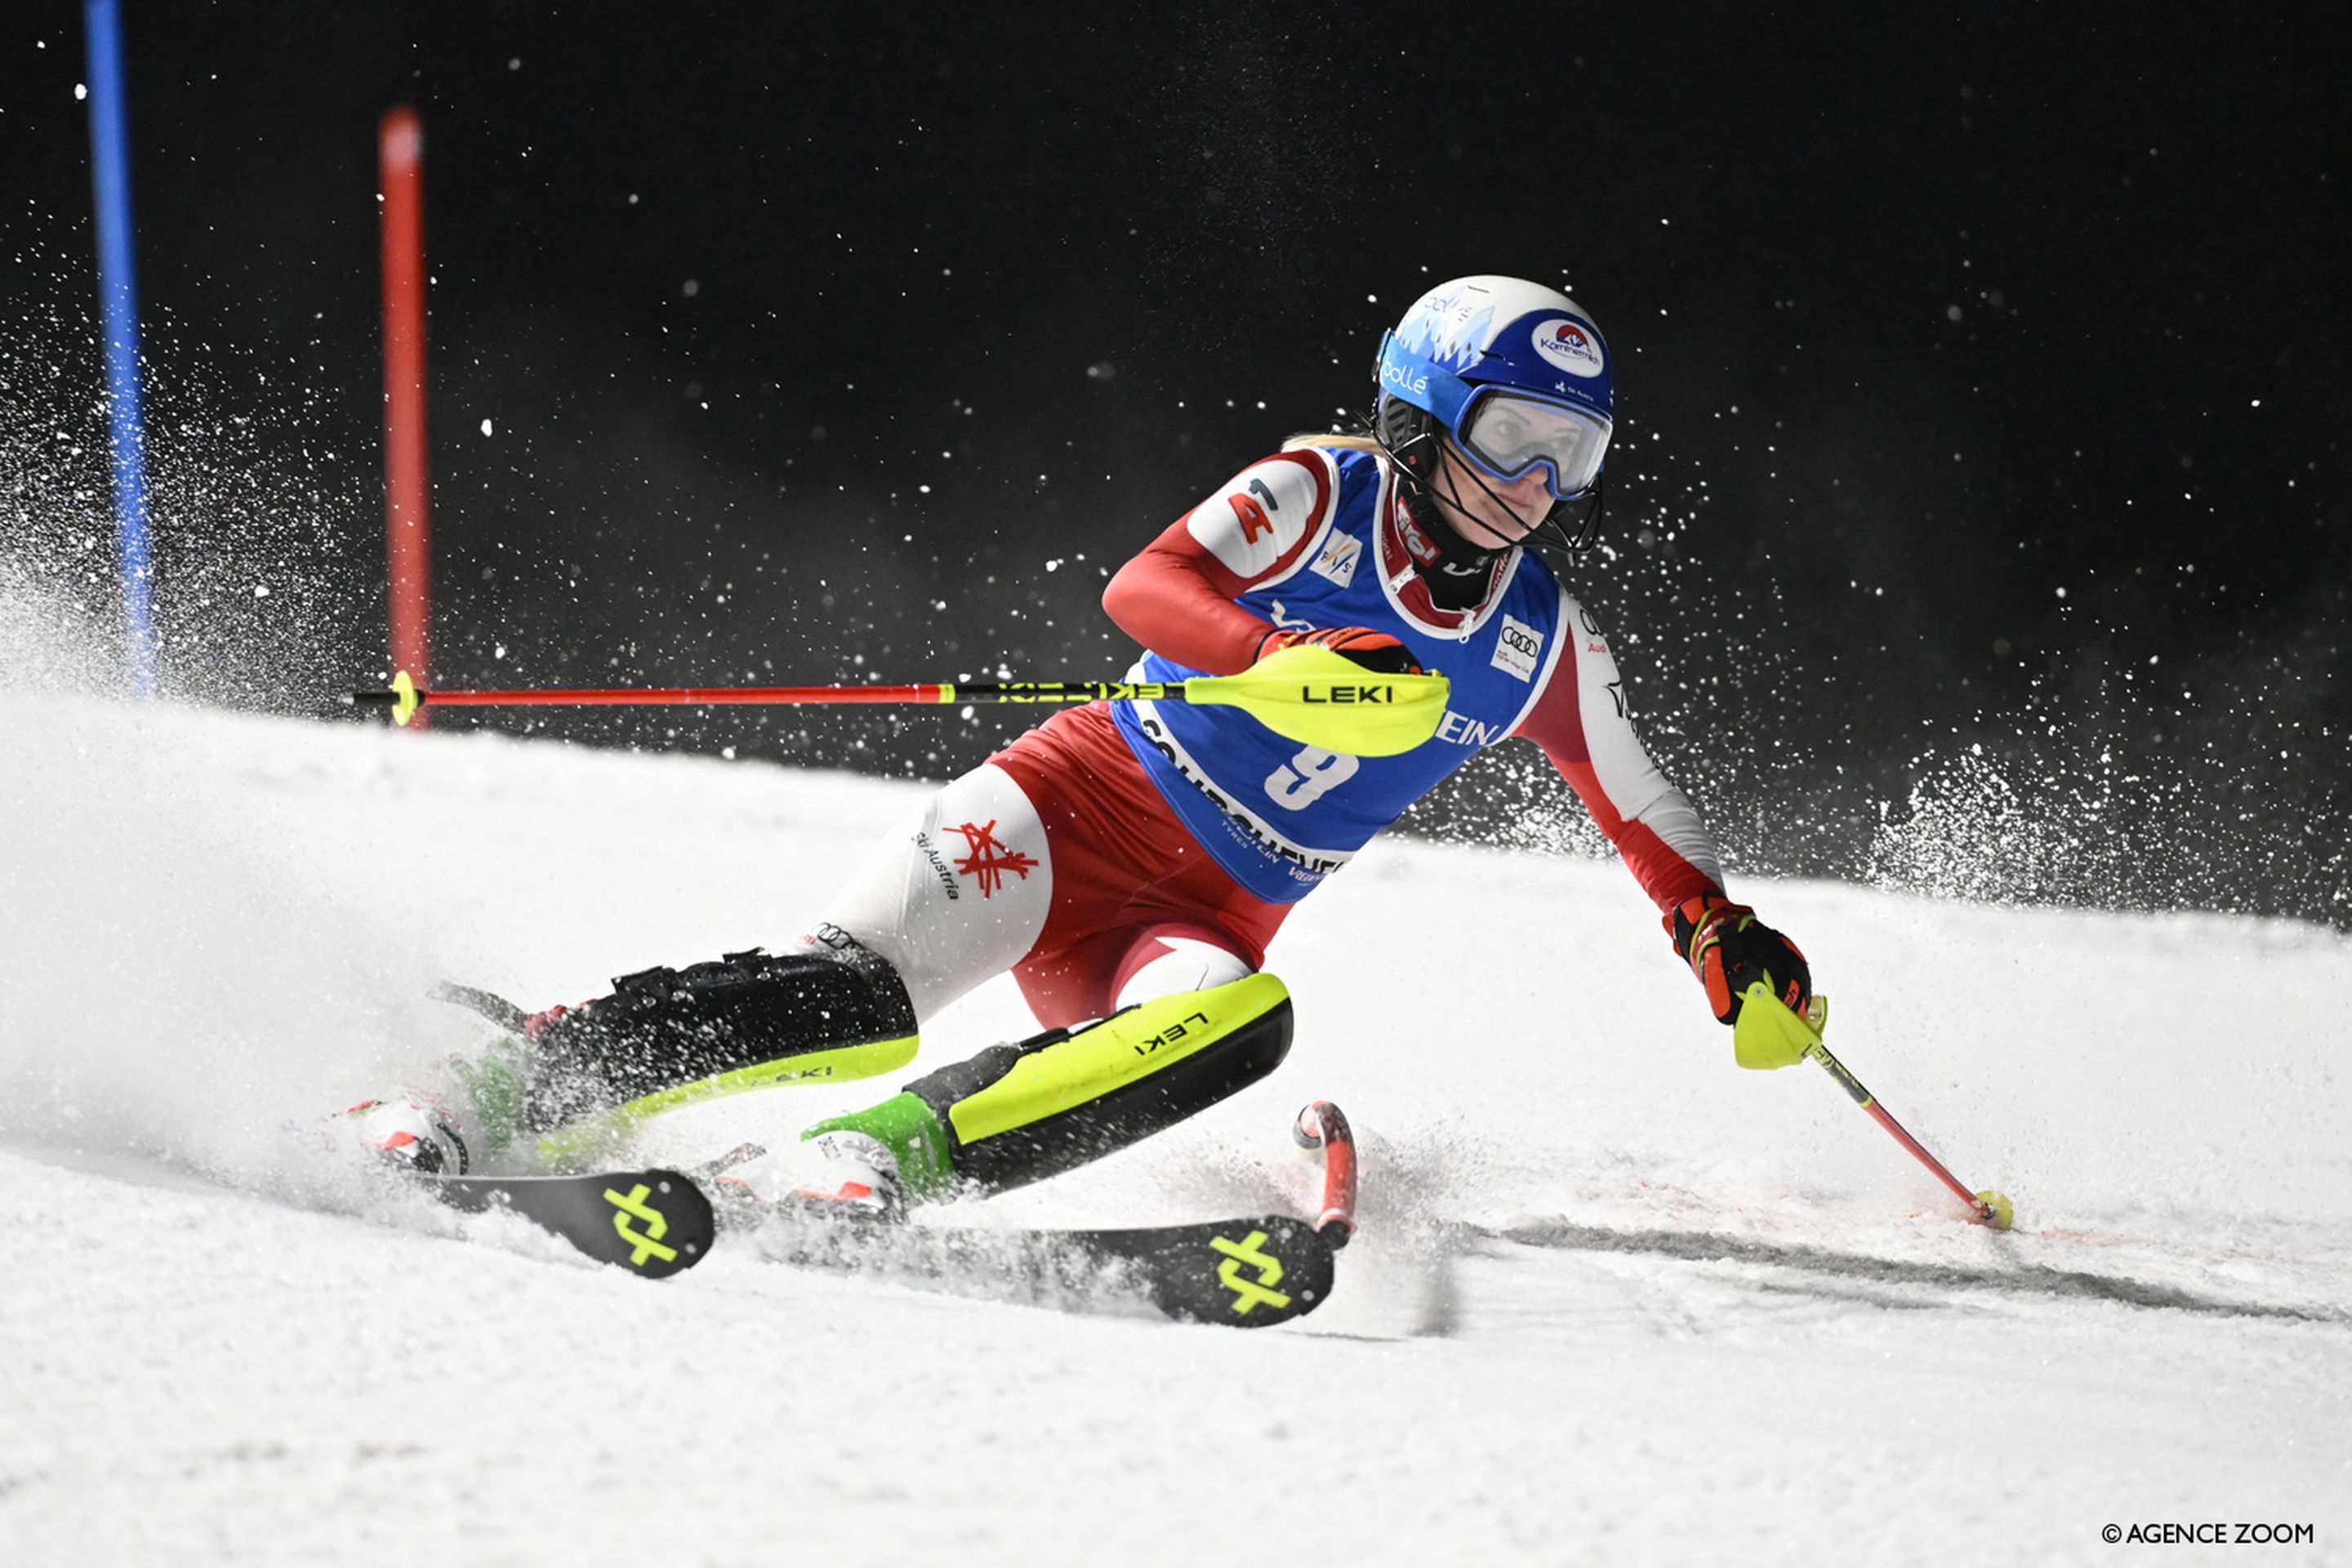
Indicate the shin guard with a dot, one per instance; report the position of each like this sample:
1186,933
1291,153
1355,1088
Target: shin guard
666,1037
1016,1113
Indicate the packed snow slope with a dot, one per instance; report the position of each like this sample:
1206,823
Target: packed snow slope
1615,1299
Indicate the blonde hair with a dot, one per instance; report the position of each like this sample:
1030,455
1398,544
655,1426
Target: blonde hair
1323,438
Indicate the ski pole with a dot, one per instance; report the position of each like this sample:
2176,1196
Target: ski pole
1779,1037
1309,694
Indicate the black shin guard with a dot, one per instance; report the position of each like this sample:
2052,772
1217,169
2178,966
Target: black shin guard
833,1009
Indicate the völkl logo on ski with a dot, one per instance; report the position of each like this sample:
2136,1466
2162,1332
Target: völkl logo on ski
1250,1252
645,1244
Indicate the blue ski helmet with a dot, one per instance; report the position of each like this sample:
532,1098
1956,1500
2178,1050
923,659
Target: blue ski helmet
1515,376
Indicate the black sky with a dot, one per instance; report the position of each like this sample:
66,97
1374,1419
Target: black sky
809,336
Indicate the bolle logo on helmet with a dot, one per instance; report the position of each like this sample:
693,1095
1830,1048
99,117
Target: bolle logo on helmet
1396,376
1569,345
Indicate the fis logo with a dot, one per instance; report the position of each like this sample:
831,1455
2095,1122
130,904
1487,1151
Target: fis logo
1337,563
647,1243
1250,1253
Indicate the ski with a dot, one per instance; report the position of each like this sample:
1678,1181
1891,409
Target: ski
1247,1272
655,1222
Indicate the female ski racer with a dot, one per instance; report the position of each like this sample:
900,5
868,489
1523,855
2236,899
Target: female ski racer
1130,862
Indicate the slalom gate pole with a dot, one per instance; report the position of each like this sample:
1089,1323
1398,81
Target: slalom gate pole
118,297
1309,694
400,158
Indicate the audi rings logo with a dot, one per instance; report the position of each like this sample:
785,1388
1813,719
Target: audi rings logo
1570,345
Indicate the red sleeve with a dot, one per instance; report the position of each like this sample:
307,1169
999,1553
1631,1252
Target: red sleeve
1177,598
1651,823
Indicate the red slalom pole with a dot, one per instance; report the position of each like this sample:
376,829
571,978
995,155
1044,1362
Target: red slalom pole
400,154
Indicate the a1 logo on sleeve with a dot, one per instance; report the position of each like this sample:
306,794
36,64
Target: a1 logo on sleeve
1259,517
1520,648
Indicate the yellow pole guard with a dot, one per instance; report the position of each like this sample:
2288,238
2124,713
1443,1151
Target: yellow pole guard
1765,1035
1327,700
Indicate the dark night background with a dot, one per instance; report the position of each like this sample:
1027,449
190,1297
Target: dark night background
1977,516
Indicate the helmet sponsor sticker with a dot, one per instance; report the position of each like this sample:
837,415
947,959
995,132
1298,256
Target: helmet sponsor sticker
1570,344
1520,648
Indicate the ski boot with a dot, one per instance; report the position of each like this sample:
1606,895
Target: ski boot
847,1175
457,1118
414,1134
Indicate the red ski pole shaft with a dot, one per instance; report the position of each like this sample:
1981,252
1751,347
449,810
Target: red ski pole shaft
1768,1035
1863,1097
664,696
1880,1114
405,698
1309,694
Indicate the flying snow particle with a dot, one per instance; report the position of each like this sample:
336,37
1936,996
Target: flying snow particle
485,427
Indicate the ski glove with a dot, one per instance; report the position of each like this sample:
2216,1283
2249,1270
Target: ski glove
1728,949
1374,650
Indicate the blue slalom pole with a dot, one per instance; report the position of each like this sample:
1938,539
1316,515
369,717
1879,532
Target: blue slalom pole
117,300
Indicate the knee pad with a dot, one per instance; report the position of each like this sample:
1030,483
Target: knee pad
1016,1114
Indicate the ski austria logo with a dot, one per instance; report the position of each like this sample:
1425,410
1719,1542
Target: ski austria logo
1570,345
990,858
1518,648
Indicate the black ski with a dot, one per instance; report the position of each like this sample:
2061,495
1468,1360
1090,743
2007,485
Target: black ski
1247,1272
655,1223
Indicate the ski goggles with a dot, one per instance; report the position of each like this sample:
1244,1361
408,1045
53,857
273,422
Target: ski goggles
1507,432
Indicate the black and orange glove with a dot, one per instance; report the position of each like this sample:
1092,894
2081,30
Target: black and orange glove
1374,650
1729,949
